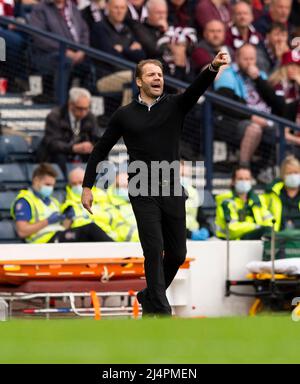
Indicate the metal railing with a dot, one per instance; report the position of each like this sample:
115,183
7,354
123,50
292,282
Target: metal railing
210,97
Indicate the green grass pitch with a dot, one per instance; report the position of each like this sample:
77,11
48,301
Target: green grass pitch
264,339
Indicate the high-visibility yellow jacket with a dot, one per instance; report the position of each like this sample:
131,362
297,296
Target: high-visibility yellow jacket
39,211
242,217
82,217
124,224
273,202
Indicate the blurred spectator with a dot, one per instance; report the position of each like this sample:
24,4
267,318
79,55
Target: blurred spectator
137,11
73,209
113,36
283,196
241,30
70,131
167,43
23,8
259,7
282,92
181,13
213,41
38,215
241,210
60,17
207,10
273,47
15,46
239,128
279,12
286,83
93,13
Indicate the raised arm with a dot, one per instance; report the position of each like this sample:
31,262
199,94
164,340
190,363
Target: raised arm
191,95
99,153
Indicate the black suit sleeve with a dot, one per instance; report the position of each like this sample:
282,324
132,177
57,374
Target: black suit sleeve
191,95
102,148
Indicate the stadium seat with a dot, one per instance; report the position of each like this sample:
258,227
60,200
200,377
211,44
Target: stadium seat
14,148
8,233
60,181
6,200
12,177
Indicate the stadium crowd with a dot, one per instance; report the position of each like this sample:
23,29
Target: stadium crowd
260,36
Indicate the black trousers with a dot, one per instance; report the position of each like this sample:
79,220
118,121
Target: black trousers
162,229
87,233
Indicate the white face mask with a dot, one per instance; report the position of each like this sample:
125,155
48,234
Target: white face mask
46,191
243,186
123,193
77,189
292,180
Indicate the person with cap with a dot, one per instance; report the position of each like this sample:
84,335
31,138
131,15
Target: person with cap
282,92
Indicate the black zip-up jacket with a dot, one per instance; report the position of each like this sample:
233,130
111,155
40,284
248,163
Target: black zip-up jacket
149,133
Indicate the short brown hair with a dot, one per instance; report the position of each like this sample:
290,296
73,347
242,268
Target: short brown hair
239,167
44,169
141,64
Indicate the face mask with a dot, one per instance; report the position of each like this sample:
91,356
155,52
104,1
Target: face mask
77,189
46,191
292,180
185,181
123,193
243,186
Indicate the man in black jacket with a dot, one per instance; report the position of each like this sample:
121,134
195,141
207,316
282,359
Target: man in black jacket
151,127
71,131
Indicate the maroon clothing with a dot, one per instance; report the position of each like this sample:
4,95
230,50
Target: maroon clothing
181,16
290,90
207,11
204,53
6,7
235,40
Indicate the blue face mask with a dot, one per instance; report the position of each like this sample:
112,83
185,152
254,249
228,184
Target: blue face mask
292,180
185,181
46,191
243,186
77,189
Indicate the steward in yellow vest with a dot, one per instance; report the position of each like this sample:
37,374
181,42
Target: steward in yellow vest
283,196
38,215
242,210
73,208
124,223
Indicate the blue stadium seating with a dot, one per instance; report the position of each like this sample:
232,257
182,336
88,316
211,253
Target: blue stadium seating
6,199
12,177
14,148
8,233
